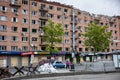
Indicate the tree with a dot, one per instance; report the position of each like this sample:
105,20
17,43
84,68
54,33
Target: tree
97,37
53,34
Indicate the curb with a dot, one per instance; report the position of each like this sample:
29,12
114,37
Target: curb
57,74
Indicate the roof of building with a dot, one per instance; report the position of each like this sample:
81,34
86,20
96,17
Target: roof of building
55,3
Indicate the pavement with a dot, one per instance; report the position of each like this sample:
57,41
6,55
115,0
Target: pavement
61,72
104,76
81,69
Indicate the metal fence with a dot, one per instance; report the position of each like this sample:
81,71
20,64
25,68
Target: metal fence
95,66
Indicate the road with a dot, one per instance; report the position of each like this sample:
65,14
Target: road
106,76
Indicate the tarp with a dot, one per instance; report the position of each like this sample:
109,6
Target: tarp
63,52
26,53
54,53
10,52
42,52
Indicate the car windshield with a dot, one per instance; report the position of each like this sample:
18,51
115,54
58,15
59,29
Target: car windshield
58,62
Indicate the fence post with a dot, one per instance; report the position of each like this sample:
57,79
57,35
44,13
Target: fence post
104,67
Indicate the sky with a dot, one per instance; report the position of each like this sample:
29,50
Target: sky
104,7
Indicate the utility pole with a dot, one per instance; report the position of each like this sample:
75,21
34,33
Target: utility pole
73,33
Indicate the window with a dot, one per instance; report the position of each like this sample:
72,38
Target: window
14,19
14,48
24,30
66,17
106,24
101,23
3,8
43,23
66,26
43,6
51,7
116,44
14,1
24,11
80,42
34,22
34,30
34,38
116,38
15,10
65,10
93,49
34,48
43,14
2,37
111,44
79,20
43,48
66,49
14,38
24,39
59,9
34,4
85,29
111,24
66,33
25,21
59,17
86,49
14,29
80,28
34,13
80,49
51,16
25,2
42,32
3,18
79,12
25,48
79,35
67,42
3,48
3,27
115,32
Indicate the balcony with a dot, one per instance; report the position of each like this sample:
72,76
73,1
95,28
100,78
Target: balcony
15,3
111,22
42,35
43,9
97,19
43,44
45,18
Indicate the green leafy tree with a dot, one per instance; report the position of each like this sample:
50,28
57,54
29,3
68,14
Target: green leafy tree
97,37
53,34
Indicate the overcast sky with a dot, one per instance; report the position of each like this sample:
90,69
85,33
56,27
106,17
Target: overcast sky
105,7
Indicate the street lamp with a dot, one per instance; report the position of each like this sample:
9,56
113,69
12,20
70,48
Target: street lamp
73,33
116,57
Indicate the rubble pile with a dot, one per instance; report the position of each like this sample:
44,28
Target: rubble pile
47,68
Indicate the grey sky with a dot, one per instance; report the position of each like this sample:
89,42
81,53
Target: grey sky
105,7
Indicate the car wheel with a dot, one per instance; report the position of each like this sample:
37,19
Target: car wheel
55,67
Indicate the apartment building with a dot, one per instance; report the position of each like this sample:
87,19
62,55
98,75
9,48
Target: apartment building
21,23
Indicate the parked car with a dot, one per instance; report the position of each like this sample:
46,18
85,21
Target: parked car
58,64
